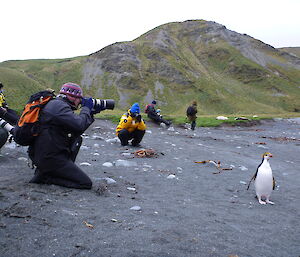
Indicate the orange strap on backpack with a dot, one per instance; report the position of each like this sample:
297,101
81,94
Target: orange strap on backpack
32,111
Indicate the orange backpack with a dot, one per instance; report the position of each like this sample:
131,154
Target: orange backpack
28,126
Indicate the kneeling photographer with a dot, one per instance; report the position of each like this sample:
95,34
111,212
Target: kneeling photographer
55,148
7,117
131,126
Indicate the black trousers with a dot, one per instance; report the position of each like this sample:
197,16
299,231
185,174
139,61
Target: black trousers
3,136
158,119
63,171
136,136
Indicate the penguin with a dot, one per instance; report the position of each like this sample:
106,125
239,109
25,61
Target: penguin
264,181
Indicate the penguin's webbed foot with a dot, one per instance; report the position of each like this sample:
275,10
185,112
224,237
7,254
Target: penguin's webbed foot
261,202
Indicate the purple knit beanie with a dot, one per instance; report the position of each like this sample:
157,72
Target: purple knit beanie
71,89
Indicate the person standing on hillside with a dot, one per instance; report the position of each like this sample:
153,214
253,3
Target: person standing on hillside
55,148
191,114
131,126
154,116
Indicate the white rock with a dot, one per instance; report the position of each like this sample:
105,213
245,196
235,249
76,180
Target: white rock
85,164
84,147
22,159
243,182
110,180
149,131
131,188
243,168
107,164
96,154
126,154
96,145
135,208
171,176
221,118
171,129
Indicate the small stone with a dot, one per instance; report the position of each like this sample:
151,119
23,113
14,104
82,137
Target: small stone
85,164
171,176
107,164
135,208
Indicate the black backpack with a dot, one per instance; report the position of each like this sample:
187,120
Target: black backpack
28,126
190,111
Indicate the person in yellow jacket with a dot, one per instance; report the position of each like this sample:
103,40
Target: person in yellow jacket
2,97
131,126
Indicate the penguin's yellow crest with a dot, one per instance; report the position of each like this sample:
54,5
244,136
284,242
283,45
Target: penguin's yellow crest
267,154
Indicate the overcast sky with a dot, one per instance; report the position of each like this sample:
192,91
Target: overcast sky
47,29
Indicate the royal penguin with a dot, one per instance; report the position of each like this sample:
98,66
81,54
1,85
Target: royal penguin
264,181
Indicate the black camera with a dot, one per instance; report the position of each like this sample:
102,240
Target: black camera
103,104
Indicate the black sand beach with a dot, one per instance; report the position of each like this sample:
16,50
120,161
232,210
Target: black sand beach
166,205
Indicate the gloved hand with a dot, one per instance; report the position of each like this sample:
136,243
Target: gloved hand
139,118
88,102
97,108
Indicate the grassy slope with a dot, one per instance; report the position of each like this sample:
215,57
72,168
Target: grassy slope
221,79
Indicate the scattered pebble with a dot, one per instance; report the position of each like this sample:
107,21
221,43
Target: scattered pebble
22,159
107,164
125,154
85,164
131,189
221,118
243,182
110,180
135,208
171,176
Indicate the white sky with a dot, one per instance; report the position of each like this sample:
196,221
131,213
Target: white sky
47,29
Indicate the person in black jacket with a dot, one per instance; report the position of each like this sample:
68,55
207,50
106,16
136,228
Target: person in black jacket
55,149
154,116
9,115
191,114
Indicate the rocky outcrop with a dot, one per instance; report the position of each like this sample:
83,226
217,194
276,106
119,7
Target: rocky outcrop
186,58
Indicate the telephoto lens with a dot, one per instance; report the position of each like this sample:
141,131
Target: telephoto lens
103,104
4,124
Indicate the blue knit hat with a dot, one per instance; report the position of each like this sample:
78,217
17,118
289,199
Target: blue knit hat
153,102
135,108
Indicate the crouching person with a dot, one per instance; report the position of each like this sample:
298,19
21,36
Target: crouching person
131,126
55,148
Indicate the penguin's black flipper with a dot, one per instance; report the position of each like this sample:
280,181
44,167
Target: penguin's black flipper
253,178
274,183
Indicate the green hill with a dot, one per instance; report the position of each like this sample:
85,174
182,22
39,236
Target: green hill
226,72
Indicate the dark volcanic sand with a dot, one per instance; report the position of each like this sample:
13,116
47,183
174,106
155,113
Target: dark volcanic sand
195,213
